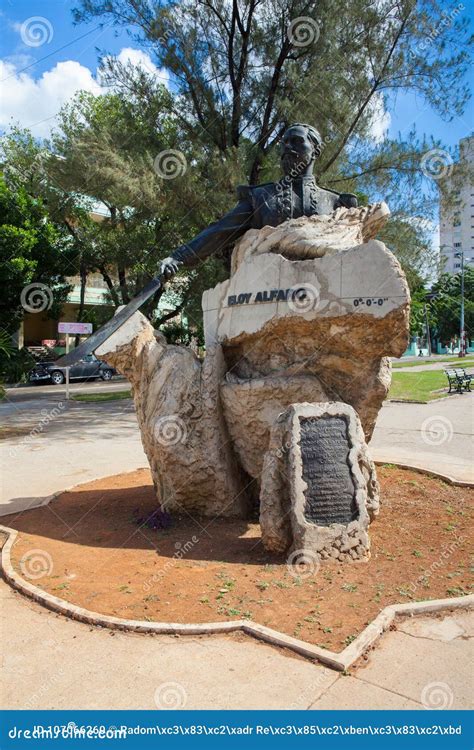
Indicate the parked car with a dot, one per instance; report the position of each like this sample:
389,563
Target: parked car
88,368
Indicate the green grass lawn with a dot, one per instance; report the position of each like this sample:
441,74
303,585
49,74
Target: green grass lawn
461,361
117,396
418,386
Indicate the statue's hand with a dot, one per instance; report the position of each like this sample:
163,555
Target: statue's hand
169,267
347,200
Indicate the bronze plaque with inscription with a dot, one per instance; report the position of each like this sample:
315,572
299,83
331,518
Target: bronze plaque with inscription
330,493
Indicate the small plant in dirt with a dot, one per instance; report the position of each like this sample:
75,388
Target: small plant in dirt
349,587
349,639
125,590
380,587
262,585
457,591
281,584
204,599
228,582
327,630
151,598
416,553
405,592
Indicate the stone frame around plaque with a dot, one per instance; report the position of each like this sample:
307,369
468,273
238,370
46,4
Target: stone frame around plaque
337,540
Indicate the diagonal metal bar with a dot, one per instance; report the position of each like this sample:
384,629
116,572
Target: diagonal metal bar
97,338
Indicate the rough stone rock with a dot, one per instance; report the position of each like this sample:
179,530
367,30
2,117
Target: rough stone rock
312,312
183,432
285,511
334,344
315,236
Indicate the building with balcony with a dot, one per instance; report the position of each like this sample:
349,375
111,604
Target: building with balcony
456,225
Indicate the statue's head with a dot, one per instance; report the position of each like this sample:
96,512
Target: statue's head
300,147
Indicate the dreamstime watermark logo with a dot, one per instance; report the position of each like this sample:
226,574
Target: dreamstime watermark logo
170,696
436,430
449,549
437,164
303,563
170,164
46,418
303,31
36,697
36,31
36,564
446,21
36,297
170,430
303,298
181,551
437,696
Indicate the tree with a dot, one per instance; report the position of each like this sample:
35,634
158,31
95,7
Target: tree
446,305
34,257
240,73
243,71
104,152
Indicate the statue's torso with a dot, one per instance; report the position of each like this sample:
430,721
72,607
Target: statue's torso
275,202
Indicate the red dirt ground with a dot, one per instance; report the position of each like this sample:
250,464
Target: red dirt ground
204,571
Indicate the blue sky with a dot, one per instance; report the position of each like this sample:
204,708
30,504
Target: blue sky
36,80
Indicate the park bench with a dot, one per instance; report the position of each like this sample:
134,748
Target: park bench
458,379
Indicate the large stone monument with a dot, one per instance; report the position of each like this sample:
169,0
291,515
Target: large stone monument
279,411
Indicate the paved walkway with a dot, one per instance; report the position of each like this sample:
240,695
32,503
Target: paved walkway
54,663
468,366
51,445
436,436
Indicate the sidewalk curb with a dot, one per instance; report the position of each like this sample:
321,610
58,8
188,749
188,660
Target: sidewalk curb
340,661
49,498
428,472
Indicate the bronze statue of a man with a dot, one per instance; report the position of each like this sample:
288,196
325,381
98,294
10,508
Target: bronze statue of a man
295,194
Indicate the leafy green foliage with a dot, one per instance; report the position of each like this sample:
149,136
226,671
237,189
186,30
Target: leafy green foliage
446,306
31,250
238,79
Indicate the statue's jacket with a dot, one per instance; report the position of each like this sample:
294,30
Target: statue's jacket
263,205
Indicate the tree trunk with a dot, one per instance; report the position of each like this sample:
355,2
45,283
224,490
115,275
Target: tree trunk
82,298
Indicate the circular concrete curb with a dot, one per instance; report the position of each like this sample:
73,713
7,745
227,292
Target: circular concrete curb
341,661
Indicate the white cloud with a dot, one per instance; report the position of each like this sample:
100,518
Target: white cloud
34,103
137,57
381,119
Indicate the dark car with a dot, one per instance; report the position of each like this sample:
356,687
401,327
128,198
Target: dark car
88,368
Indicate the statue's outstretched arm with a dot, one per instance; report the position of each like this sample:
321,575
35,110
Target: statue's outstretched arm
215,237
